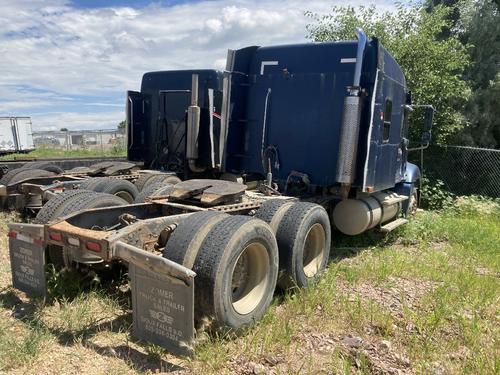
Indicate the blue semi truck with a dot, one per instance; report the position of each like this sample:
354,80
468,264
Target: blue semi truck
285,147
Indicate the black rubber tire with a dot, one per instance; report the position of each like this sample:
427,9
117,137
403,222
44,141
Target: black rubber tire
79,169
4,169
103,164
78,203
166,189
411,210
54,206
172,180
52,210
291,236
142,180
184,243
45,165
99,184
29,173
150,178
148,191
66,203
91,183
272,212
7,176
121,188
96,200
5,180
215,263
157,178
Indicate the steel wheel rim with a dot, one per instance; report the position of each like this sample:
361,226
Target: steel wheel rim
314,250
413,204
249,278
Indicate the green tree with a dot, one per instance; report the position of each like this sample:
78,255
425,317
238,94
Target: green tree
483,38
483,74
433,65
122,125
457,11
477,25
483,112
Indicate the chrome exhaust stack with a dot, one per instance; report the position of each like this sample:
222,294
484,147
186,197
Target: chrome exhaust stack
351,117
193,127
362,40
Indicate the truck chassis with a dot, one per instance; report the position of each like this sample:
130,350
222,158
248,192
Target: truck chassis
29,194
162,290
161,241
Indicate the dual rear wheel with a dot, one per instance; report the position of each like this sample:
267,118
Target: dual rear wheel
121,188
239,260
236,263
303,234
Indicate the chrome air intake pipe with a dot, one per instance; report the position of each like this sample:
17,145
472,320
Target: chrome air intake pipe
351,117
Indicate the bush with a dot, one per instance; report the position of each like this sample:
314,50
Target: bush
477,204
434,196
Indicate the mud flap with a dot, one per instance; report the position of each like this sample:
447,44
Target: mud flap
27,258
162,299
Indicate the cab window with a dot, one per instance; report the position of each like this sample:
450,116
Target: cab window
387,120
404,122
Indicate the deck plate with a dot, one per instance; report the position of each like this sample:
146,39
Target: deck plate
209,192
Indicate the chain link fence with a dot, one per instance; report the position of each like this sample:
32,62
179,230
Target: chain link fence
103,140
463,170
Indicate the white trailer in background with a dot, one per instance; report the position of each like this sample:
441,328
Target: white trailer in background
16,135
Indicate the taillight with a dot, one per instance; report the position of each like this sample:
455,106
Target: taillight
55,236
94,246
24,238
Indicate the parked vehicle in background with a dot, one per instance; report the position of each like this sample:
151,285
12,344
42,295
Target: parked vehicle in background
16,135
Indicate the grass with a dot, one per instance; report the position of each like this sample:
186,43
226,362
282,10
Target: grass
423,300
15,352
47,152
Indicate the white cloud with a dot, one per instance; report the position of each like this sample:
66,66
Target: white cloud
77,120
14,98
51,47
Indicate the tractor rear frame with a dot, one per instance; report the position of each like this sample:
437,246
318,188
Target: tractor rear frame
162,290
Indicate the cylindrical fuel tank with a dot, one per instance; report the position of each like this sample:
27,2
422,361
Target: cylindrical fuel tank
354,216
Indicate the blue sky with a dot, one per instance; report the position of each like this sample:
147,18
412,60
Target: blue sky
109,3
124,3
69,63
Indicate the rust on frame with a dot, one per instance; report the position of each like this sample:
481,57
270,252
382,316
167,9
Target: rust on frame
67,228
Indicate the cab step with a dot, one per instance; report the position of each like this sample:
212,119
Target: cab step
389,227
394,199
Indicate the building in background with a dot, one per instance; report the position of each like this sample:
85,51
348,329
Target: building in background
81,139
